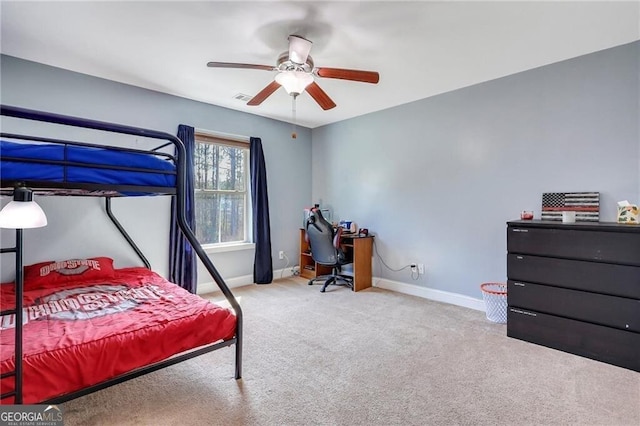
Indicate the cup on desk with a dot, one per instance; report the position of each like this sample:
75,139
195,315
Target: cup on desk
568,217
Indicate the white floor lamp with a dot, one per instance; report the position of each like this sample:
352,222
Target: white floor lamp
21,213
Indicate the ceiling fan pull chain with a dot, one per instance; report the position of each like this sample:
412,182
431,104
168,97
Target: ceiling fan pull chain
294,135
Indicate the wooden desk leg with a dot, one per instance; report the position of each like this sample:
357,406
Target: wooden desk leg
362,254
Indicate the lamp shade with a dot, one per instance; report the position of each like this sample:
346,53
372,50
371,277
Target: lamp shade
22,212
294,82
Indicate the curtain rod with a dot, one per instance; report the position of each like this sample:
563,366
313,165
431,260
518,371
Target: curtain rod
222,135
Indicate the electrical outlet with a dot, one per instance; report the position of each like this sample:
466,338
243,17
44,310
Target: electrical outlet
281,254
421,268
413,268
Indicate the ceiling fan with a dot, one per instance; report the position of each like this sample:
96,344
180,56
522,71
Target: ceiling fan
296,72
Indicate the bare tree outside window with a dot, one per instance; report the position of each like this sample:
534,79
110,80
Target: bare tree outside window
221,173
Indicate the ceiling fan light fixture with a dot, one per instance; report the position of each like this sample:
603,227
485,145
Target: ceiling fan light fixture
294,82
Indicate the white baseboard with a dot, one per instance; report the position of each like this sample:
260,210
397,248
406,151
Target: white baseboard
211,287
431,294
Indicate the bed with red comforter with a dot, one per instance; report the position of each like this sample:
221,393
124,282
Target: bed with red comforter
85,322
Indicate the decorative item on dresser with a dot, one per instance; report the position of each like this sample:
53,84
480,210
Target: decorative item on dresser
584,205
576,288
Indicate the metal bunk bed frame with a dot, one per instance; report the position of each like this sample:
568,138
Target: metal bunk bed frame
180,198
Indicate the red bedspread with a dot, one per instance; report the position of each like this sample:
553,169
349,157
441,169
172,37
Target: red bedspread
84,333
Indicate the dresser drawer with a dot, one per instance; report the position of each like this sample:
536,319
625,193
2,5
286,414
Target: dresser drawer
612,311
617,347
606,278
601,246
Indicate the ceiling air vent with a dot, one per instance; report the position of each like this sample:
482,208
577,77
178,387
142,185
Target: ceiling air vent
242,97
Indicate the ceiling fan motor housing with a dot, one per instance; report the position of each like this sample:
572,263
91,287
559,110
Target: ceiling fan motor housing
285,64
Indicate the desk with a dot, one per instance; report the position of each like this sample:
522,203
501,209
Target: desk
360,249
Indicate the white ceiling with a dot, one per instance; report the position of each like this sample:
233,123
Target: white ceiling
420,49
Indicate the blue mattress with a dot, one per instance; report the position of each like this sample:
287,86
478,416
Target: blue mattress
154,174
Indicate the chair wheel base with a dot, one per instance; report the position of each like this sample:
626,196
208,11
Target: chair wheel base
333,279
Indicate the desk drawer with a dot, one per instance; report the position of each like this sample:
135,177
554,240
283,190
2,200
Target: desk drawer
606,278
612,311
602,246
617,347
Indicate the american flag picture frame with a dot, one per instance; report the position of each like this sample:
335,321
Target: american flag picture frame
585,204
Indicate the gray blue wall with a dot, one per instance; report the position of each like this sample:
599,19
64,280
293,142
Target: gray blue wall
437,179
79,227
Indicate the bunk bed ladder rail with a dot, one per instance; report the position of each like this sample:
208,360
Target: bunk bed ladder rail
28,114
202,255
16,373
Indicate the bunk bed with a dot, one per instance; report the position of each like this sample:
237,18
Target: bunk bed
71,327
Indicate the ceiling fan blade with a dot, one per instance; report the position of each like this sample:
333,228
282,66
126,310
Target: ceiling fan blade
320,96
353,75
234,65
264,94
299,49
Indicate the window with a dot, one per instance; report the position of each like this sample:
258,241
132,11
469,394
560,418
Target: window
221,168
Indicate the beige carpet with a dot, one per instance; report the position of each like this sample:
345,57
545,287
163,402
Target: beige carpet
369,358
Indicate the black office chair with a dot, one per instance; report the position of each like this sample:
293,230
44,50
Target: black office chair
324,242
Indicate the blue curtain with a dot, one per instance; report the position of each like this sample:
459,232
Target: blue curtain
182,258
262,265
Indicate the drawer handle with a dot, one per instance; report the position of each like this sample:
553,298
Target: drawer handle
519,257
518,311
520,230
519,284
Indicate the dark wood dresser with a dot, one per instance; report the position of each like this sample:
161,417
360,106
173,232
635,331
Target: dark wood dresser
576,287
